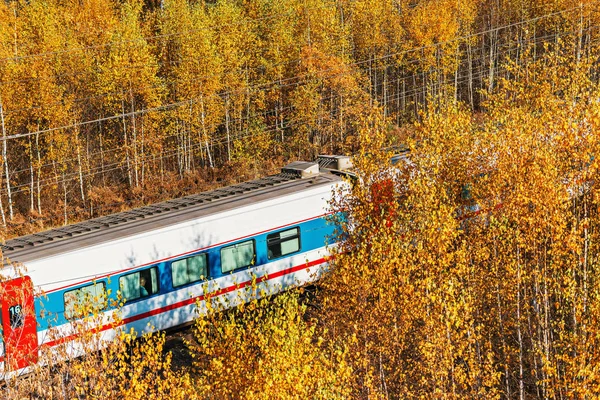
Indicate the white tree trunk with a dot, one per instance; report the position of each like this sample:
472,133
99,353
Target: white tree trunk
39,173
204,132
127,161
5,160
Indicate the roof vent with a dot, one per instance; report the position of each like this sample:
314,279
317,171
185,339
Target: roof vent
302,168
340,163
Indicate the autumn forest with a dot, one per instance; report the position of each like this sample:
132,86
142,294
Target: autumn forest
476,274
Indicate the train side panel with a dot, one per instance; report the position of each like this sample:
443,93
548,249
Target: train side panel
170,306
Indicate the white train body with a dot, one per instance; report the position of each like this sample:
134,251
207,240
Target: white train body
161,261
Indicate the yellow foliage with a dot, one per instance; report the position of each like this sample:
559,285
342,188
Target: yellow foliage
268,349
126,367
469,270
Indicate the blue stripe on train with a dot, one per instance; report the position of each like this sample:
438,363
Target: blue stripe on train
313,235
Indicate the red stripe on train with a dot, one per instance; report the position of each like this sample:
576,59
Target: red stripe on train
187,302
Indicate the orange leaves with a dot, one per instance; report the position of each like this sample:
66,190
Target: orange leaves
433,21
497,303
502,300
375,27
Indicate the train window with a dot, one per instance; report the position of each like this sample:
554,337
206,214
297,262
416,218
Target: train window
283,243
188,270
85,300
238,256
139,284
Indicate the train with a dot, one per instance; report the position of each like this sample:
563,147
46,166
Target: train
160,261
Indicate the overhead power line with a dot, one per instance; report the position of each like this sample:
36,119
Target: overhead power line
357,63
214,141
262,86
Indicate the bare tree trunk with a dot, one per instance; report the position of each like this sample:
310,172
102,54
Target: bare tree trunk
5,160
102,158
143,168
39,172
162,170
492,69
503,339
385,91
134,140
415,97
470,67
341,120
125,146
31,187
534,46
403,101
87,161
227,127
519,334
548,336
180,154
186,140
2,212
503,348
204,133
191,165
536,365
80,169
280,117
397,99
540,372
247,104
31,176
375,83
208,154
425,87
456,78
64,182
182,150
370,81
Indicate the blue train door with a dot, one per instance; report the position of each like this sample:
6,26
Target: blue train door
19,327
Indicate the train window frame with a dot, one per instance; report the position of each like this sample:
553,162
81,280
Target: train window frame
235,246
152,284
275,239
69,306
202,277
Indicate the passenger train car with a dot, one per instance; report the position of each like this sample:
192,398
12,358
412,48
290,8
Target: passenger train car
161,259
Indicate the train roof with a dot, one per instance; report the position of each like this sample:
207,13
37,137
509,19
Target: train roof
297,176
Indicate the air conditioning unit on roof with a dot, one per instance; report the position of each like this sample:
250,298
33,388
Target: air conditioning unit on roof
340,163
303,168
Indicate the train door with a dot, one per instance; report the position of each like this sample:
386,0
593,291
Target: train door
19,327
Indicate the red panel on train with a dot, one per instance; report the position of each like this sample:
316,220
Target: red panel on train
18,323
